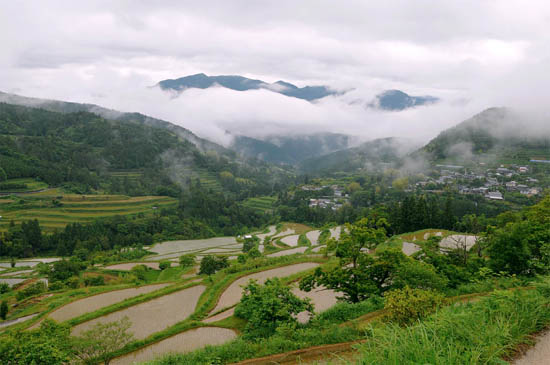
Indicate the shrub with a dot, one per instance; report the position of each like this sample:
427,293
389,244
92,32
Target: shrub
210,264
33,289
187,260
4,288
4,309
408,305
139,271
94,280
303,241
164,265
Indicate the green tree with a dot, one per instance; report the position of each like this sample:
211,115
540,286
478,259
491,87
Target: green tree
50,344
164,265
210,264
3,176
101,341
268,306
4,309
358,274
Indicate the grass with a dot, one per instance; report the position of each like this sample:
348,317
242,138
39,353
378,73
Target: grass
76,208
483,332
419,235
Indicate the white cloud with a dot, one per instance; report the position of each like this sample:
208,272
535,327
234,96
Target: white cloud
473,54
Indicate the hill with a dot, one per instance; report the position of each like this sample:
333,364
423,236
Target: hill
368,155
395,100
85,152
496,134
290,150
240,83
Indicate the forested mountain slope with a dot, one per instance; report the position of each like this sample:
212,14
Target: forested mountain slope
497,133
83,150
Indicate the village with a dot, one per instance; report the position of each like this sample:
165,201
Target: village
491,183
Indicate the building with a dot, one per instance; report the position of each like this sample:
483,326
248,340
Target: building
494,195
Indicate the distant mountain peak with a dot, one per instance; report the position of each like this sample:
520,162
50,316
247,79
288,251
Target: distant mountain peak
395,100
241,83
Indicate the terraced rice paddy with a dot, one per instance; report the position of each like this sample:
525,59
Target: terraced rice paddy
77,208
292,251
95,302
260,204
184,342
154,315
17,273
313,237
286,232
291,241
171,249
11,282
335,232
321,298
130,265
318,248
218,317
18,320
232,295
272,231
7,265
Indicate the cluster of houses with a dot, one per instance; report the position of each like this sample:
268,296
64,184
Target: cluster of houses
490,183
334,202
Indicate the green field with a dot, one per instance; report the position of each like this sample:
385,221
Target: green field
262,203
72,208
210,180
31,185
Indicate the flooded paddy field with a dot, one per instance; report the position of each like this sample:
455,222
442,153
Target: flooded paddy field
191,245
154,315
291,241
232,295
458,241
98,301
409,248
130,265
272,231
321,298
184,342
292,251
318,248
11,281
335,232
313,237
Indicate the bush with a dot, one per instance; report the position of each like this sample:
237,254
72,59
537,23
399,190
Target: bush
4,309
408,305
164,265
139,271
303,241
4,288
33,289
210,264
187,260
94,280
343,311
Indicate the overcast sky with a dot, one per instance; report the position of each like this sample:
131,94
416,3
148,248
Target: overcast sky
472,54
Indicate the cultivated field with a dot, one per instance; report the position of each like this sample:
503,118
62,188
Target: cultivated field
292,251
184,342
72,208
130,265
261,204
321,298
154,315
290,240
95,302
313,237
232,294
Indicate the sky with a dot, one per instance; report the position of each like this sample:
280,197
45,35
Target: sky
471,54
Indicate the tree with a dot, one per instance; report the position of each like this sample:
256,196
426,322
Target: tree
3,176
50,344
164,265
268,306
358,274
210,264
4,309
99,342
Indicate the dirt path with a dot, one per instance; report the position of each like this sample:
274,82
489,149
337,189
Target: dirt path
538,354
